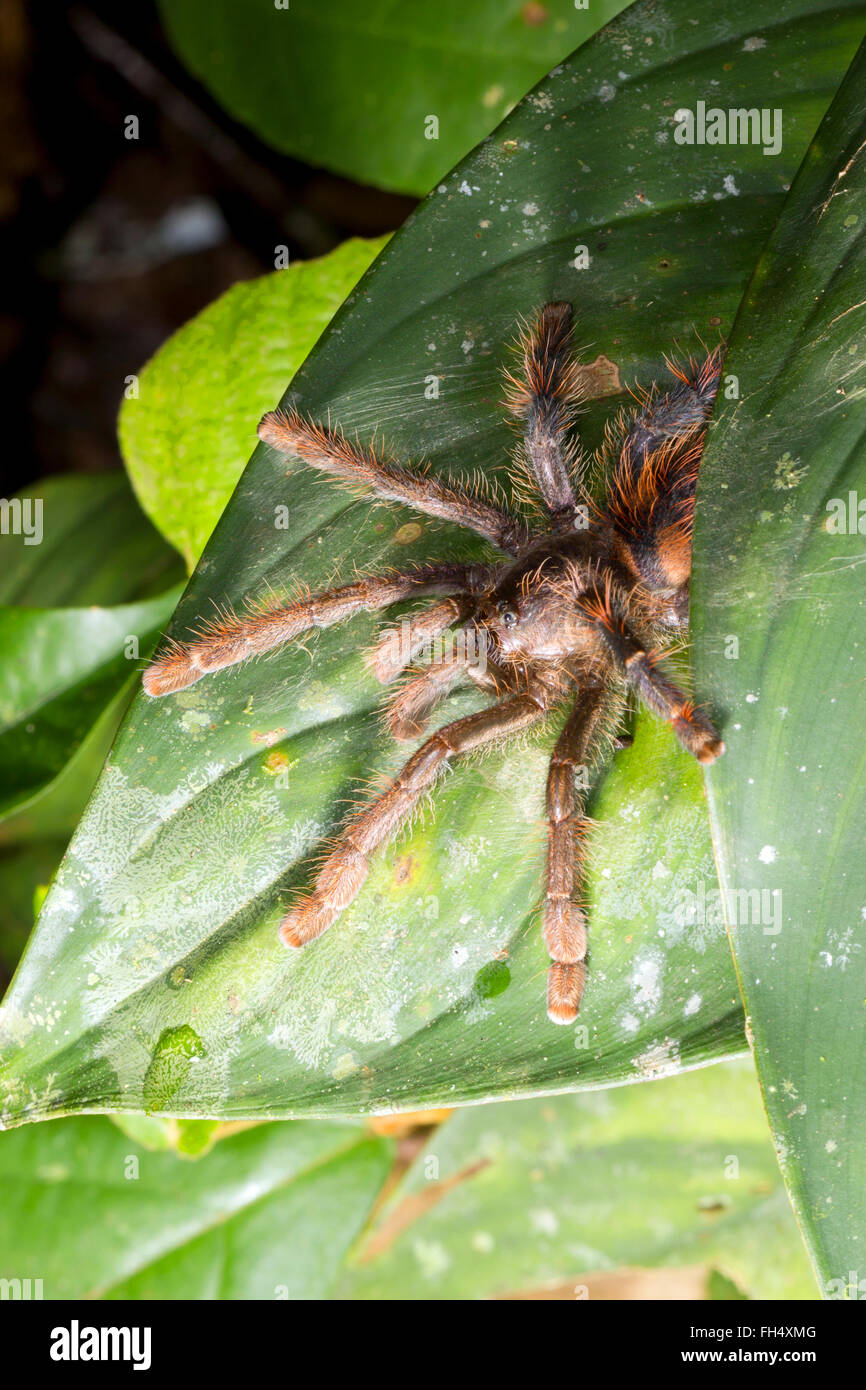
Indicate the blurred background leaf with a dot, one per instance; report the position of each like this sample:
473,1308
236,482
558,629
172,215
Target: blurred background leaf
96,548
668,1191
188,434
97,577
354,87
24,871
516,1200
269,1213
779,567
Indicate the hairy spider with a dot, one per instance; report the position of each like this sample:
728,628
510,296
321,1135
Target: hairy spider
577,611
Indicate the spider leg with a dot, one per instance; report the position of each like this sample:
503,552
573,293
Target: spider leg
361,468
544,396
695,732
639,667
651,496
397,646
564,920
231,638
344,871
409,710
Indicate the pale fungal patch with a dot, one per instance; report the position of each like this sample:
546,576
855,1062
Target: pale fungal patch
730,186
767,855
660,1059
311,1040
647,982
463,857
344,1067
325,699
194,722
692,1004
787,472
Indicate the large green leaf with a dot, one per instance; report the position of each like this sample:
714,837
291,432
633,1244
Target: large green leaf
268,1214
779,568
391,92
188,433
158,942
518,1197
66,625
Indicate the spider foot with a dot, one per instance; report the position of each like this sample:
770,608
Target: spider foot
697,734
564,989
304,922
172,671
336,886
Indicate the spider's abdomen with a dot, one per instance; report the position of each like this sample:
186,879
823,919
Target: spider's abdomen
651,494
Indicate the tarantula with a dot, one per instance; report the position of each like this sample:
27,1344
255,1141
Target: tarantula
576,610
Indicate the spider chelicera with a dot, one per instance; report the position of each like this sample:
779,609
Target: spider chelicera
577,609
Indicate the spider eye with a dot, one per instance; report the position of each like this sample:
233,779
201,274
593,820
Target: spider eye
509,617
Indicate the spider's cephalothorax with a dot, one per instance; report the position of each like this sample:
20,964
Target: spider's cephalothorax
577,612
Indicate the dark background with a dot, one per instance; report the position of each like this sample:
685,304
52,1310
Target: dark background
110,244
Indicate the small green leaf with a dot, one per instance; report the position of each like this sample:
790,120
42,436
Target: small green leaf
24,872
188,434
779,586
61,668
69,636
54,812
722,1289
188,1138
